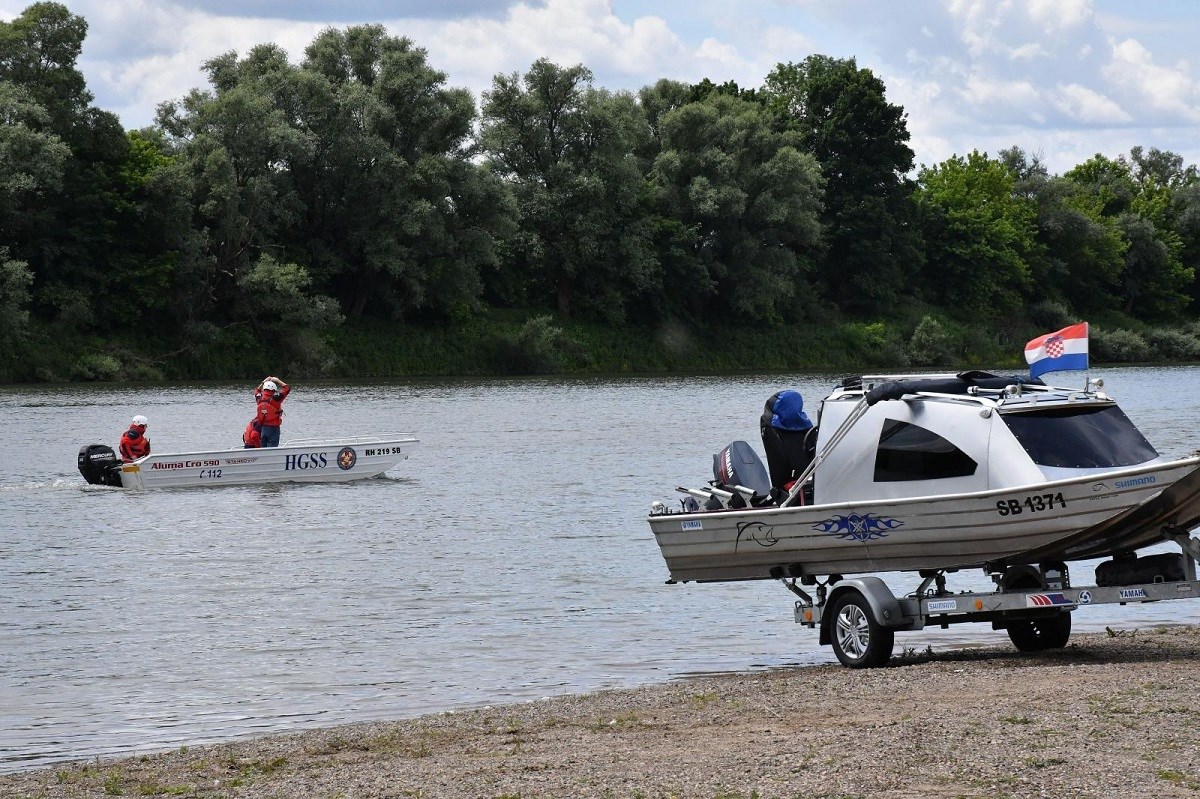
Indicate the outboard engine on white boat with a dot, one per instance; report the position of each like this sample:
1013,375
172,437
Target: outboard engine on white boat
739,465
99,465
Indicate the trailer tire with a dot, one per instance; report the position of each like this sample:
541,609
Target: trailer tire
1035,635
858,640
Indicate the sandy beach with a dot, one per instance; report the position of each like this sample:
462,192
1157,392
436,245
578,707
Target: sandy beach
1111,715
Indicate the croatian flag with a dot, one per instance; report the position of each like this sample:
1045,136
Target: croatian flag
1064,351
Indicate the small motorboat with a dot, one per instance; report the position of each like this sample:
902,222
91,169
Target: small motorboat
928,473
303,461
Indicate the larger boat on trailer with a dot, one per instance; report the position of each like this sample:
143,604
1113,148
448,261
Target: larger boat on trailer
303,461
933,474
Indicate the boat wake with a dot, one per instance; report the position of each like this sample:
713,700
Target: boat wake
57,484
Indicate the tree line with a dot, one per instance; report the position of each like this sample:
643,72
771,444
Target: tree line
287,201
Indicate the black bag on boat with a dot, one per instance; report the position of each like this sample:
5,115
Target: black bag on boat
1164,568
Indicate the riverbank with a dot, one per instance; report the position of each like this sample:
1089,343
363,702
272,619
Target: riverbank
1110,715
514,343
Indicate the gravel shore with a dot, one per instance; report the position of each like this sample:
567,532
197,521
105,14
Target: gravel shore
1111,715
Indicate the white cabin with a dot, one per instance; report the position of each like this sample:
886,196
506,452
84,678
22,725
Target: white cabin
940,434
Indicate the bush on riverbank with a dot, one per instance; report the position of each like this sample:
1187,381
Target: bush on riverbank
518,343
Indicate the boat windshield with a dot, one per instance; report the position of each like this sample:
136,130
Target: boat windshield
1080,437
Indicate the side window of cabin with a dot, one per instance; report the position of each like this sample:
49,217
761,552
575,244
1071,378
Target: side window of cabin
910,452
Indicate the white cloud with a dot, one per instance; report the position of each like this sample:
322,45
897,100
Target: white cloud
1168,90
1087,106
1055,16
712,50
140,53
1028,52
1051,75
992,93
621,54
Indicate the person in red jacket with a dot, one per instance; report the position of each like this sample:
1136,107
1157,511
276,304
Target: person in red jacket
270,409
252,435
134,443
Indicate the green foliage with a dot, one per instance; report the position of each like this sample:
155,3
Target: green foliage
351,215
15,279
58,157
564,148
1138,196
541,347
96,366
979,236
743,203
1118,346
1154,280
861,143
38,50
1050,315
931,344
1173,345
278,297
1079,255
32,159
877,343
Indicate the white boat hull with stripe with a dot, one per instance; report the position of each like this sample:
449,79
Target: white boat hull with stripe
305,461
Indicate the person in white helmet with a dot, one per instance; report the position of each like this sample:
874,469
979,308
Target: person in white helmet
134,443
270,409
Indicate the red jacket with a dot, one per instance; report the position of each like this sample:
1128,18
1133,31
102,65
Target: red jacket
252,436
270,410
134,445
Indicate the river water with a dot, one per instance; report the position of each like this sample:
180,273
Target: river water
508,559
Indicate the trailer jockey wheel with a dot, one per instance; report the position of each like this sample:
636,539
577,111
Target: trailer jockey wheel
858,640
1034,635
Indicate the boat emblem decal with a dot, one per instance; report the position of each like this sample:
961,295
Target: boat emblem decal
858,527
759,533
1046,600
346,458
1137,481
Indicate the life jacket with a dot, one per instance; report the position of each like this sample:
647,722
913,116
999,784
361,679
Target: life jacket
134,445
270,409
252,436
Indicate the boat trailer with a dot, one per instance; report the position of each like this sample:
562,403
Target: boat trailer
859,616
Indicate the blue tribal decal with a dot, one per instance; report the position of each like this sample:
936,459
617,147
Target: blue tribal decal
855,527
759,533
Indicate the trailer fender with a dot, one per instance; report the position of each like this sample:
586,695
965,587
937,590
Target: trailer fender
883,603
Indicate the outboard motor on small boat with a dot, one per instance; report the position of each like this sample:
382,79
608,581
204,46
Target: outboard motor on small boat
739,465
100,465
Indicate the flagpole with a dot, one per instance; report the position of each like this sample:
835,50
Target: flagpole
1087,360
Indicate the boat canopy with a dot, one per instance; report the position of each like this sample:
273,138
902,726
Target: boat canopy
927,435
961,383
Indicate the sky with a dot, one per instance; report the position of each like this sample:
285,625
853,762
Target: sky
1061,79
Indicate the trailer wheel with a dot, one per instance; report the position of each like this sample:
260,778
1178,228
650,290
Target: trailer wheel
858,640
1034,635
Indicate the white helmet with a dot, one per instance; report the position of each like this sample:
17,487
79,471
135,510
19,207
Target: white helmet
140,421
270,386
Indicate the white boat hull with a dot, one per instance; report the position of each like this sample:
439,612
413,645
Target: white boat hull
1084,517
309,461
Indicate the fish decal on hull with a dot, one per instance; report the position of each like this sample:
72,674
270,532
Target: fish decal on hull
858,527
758,532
